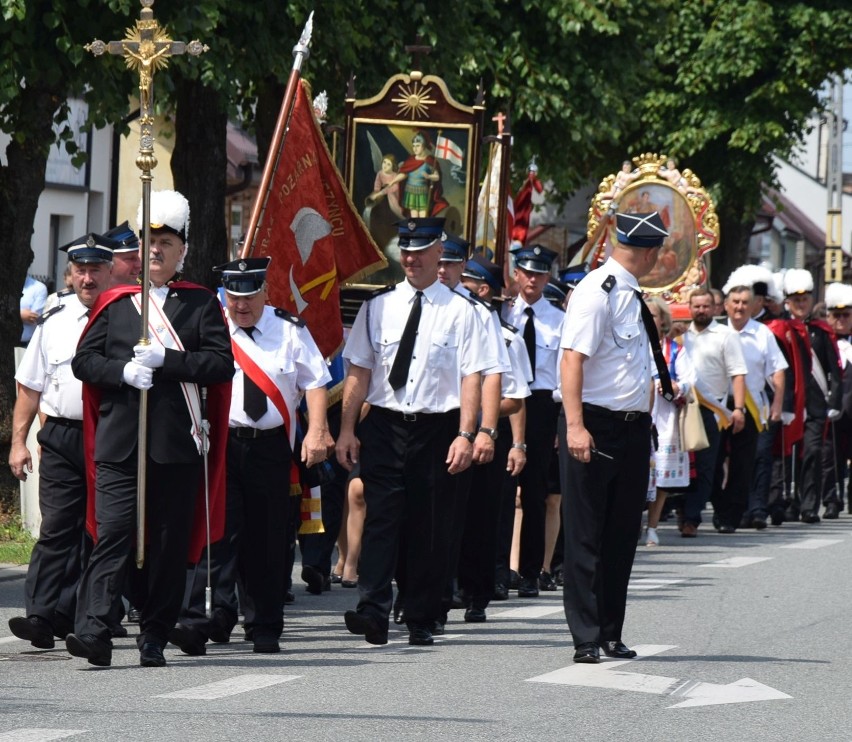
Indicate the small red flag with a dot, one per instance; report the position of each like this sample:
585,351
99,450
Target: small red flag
312,231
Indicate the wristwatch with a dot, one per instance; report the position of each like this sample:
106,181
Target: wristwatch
741,409
466,435
490,432
520,446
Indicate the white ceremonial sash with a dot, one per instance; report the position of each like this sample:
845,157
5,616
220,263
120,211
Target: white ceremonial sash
160,330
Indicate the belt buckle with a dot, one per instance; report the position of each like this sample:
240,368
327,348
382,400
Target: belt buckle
630,417
409,417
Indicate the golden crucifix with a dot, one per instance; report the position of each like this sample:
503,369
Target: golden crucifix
146,48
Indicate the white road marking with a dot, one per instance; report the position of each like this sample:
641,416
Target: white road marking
651,583
695,692
36,734
229,687
529,611
402,642
735,562
9,640
812,543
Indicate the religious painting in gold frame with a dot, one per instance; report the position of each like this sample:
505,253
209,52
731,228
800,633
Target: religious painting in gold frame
648,183
412,151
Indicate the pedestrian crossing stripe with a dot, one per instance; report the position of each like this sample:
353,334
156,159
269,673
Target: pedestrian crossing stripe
229,687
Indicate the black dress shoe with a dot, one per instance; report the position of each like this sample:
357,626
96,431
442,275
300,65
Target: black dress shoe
436,628
528,589
220,628
791,515
34,629
618,650
808,516
133,615
289,597
419,636
758,522
314,578
587,653
266,642
514,580
726,528
745,522
188,640
475,615
501,592
117,631
368,627
398,614
90,647
832,511
776,517
151,655
546,582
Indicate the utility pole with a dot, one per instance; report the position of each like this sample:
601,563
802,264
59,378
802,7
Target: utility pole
834,184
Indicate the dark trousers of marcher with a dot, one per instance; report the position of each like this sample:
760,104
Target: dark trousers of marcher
805,497
542,412
699,494
158,588
731,501
461,500
758,499
506,495
317,548
56,561
409,497
479,539
835,454
602,514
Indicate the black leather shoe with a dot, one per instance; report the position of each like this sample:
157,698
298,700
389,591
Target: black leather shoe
588,653
475,615
188,640
777,517
618,650
91,648
791,515
151,655
266,643
758,522
501,592
546,582
398,614
514,580
34,629
117,631
832,511
808,516
419,636
220,628
437,628
289,597
726,528
313,577
133,615
745,522
528,589
369,628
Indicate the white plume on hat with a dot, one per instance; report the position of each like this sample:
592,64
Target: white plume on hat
798,281
776,288
838,296
748,275
171,209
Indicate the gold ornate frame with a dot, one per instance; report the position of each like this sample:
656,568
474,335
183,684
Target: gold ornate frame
654,183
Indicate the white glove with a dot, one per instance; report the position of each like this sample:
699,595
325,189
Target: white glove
833,414
788,417
138,376
152,355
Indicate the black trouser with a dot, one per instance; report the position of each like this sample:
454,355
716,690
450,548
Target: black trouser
758,500
57,558
731,502
602,513
157,589
835,454
480,522
409,497
542,412
805,497
506,493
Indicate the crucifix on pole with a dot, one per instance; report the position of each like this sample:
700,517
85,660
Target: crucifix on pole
146,48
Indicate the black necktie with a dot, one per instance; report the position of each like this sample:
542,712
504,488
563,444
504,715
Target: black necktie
529,337
402,362
659,359
254,400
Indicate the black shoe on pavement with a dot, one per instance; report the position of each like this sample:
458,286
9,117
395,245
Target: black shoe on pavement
514,580
398,613
808,516
791,515
266,642
419,636
437,628
369,628
188,640
91,648
315,580
528,589
546,582
475,615
758,522
117,631
618,650
832,511
133,615
726,528
501,592
220,628
34,629
151,655
587,653
289,597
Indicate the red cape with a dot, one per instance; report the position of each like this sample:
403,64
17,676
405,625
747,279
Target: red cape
783,330
218,408
439,203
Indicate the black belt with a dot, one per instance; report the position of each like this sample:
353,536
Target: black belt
411,417
256,432
622,415
65,422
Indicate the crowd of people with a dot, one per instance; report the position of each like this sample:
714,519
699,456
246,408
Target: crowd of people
484,443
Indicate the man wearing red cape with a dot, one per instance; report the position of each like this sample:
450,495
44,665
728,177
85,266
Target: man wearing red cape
422,193
189,348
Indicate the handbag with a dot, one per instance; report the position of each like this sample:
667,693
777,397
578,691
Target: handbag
693,436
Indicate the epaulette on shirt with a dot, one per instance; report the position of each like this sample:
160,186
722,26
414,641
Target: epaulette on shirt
608,283
474,299
65,292
380,291
284,314
507,326
49,313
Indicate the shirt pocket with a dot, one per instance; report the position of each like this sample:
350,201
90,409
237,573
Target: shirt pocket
628,337
443,349
547,338
387,344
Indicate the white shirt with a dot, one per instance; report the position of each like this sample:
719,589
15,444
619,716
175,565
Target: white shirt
288,355
33,297
491,323
763,358
516,382
607,328
46,364
448,347
548,329
716,354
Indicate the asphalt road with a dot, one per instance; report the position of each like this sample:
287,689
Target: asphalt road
741,637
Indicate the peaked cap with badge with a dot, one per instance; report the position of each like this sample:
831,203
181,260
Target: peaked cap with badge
534,258
455,248
244,276
90,248
124,236
420,233
482,269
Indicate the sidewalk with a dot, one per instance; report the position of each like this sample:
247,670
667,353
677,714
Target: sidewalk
9,572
